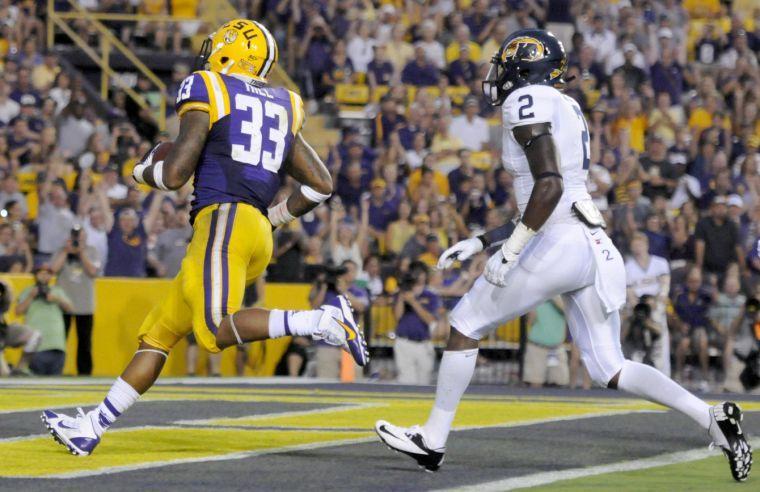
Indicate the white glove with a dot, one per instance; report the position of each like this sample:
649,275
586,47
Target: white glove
460,251
504,260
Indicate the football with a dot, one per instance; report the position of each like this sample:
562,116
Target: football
162,150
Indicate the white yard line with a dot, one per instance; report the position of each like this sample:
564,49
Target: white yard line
229,421
545,478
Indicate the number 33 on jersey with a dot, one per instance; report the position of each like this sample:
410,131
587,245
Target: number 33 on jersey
252,128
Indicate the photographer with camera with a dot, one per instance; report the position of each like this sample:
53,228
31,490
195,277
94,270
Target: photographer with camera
331,282
746,334
648,276
417,310
43,307
15,336
76,265
642,332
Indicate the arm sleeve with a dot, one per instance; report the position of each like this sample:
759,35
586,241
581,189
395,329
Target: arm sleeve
193,94
528,106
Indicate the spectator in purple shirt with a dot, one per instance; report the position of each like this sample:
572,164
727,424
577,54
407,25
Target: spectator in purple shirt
382,210
416,309
379,70
127,241
692,307
420,71
667,76
462,71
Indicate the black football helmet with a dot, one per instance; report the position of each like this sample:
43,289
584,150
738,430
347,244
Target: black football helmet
526,57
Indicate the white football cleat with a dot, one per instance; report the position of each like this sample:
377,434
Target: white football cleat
411,442
76,433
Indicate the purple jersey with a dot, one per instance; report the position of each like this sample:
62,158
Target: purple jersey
253,127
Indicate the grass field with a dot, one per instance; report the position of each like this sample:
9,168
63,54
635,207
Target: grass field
227,434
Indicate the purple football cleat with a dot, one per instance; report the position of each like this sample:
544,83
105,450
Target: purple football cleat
76,433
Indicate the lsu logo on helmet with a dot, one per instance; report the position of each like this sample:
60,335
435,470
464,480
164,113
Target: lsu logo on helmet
242,47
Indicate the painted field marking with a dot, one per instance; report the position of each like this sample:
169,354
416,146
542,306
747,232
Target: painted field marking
249,454
230,421
222,457
545,478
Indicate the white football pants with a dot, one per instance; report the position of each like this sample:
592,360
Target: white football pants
559,260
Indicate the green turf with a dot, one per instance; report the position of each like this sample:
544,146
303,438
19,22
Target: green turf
710,474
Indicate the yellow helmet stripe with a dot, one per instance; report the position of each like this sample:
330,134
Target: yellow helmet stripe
271,51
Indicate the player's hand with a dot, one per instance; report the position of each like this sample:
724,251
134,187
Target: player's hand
142,164
460,251
499,265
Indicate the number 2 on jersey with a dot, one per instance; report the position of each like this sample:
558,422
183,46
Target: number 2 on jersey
586,144
255,155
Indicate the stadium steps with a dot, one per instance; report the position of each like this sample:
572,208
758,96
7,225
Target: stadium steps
316,131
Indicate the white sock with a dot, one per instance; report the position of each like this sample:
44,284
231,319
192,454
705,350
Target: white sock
293,323
120,397
648,382
454,376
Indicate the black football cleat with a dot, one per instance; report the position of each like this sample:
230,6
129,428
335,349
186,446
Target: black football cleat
727,434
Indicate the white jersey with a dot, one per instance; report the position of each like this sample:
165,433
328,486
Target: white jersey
646,281
544,104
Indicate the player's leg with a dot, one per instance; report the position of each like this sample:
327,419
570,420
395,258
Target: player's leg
597,334
547,268
164,326
238,250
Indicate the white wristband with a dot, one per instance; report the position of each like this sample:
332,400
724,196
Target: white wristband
519,238
158,175
137,172
313,195
279,214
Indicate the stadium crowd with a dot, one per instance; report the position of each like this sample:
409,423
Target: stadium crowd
670,89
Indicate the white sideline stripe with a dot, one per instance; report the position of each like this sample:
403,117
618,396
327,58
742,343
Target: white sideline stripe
230,421
546,478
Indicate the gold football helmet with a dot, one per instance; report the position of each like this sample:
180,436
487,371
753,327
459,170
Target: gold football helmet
242,47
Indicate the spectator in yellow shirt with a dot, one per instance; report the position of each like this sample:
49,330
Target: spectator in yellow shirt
427,180
44,74
445,146
633,122
462,38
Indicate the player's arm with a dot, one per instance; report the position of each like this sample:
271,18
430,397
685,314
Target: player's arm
174,171
305,166
537,143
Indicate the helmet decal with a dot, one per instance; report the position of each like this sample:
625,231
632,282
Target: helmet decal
230,36
524,48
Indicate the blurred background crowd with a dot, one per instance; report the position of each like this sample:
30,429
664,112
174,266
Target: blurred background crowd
670,90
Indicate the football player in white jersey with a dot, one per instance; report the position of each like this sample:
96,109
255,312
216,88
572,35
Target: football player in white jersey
559,247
